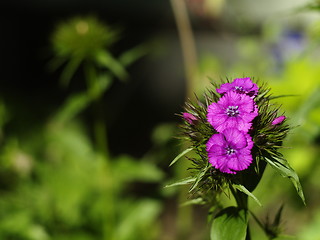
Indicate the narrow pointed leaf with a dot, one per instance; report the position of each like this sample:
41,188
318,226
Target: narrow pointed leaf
180,155
246,191
197,201
277,218
184,181
283,167
198,179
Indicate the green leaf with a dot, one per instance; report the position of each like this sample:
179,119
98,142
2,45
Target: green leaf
246,191
283,167
229,224
184,181
277,218
179,156
198,179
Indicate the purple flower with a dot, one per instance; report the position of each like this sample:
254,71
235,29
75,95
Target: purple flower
278,120
240,85
230,151
190,118
233,110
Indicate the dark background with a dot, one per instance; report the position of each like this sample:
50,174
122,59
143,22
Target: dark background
153,94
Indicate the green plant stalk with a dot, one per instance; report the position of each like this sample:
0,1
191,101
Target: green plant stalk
187,44
190,64
242,202
99,127
100,135
184,220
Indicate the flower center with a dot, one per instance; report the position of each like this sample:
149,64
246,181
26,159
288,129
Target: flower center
232,111
230,151
239,89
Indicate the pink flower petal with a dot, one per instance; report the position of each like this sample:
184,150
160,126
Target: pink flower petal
240,85
233,110
234,136
230,151
190,118
278,120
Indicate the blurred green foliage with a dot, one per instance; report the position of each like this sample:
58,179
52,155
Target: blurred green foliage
59,183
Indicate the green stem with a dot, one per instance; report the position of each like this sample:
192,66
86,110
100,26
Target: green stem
100,135
99,127
248,236
240,197
184,220
242,202
187,44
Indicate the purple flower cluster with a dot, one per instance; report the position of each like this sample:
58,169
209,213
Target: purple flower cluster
230,149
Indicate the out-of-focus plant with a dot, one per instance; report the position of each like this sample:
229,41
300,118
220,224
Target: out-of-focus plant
87,42
58,184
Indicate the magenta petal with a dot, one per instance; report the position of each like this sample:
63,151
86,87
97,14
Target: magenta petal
244,125
190,118
225,88
233,110
217,150
226,167
236,137
240,163
240,85
230,151
216,139
228,123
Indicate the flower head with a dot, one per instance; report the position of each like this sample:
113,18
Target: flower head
278,120
232,110
230,151
240,85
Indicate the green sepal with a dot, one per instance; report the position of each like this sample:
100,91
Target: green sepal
180,155
199,178
230,224
184,181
